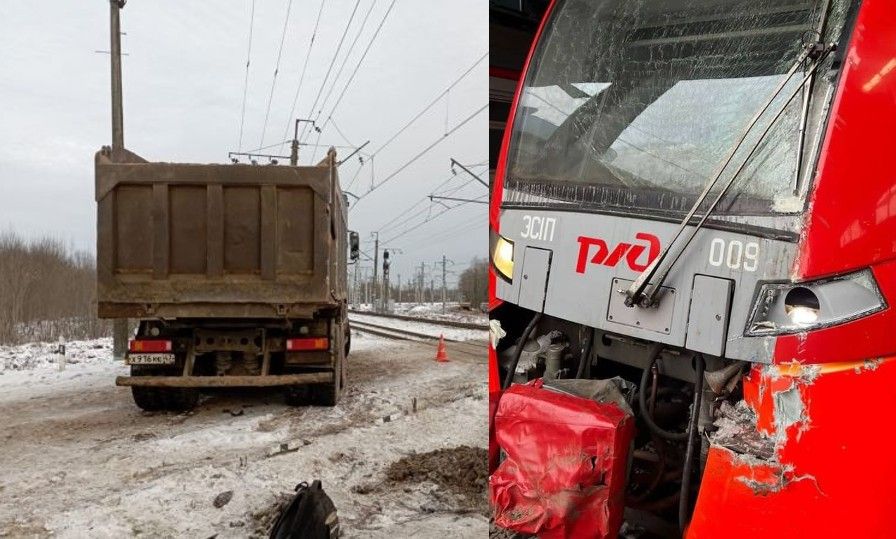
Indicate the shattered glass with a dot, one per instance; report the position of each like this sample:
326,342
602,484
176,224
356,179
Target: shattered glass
633,105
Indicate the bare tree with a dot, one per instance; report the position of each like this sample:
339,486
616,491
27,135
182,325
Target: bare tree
473,282
46,291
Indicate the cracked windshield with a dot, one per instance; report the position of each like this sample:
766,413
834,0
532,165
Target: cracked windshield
644,119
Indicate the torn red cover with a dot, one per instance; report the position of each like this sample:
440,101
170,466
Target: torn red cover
565,466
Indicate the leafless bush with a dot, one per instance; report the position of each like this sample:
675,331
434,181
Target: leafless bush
473,283
47,291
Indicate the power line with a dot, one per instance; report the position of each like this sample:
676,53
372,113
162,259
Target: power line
341,134
432,239
352,182
246,81
363,56
345,61
405,214
295,98
432,103
422,153
332,62
411,217
276,71
427,220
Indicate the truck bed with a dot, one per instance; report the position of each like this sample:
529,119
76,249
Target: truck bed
216,241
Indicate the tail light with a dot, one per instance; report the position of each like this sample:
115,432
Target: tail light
149,345
306,344
783,308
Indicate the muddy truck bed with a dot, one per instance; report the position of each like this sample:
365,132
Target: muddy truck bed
217,241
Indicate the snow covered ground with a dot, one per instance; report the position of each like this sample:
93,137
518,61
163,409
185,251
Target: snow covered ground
434,311
80,459
457,334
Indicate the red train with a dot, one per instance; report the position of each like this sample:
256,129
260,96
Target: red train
693,197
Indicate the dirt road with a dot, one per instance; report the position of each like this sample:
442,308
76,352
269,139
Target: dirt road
78,458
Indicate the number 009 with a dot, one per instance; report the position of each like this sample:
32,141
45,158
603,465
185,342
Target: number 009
734,254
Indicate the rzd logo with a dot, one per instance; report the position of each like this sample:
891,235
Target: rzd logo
631,252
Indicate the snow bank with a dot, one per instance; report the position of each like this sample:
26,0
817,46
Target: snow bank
38,355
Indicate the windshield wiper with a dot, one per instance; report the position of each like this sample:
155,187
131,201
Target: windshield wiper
635,295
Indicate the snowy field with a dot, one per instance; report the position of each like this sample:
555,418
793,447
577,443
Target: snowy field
434,311
80,459
452,333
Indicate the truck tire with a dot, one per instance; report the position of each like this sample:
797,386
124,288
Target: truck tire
329,394
318,394
151,399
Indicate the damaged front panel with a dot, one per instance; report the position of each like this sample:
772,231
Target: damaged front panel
804,442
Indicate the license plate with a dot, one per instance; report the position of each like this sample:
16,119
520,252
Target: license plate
150,359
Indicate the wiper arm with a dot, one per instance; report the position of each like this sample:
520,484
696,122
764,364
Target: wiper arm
635,295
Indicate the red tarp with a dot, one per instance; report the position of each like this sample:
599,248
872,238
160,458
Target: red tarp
565,468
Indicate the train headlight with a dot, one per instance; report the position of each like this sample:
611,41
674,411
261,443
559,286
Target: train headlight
783,308
502,256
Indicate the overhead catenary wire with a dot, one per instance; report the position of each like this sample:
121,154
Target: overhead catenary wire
341,134
429,219
441,231
363,56
295,99
422,153
432,103
267,113
406,215
345,58
330,67
246,81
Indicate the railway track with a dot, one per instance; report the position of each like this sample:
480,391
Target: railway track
435,321
389,332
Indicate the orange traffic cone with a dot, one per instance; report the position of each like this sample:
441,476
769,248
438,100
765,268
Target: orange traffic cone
441,352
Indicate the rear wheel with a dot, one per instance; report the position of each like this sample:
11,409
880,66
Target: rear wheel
151,399
319,394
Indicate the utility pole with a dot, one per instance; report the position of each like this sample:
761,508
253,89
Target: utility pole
399,288
294,154
443,283
432,291
420,298
376,263
385,280
119,325
355,286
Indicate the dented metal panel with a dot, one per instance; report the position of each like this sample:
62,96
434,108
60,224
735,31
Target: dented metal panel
187,240
798,457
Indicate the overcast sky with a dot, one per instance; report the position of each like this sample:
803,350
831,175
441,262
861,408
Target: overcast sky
183,90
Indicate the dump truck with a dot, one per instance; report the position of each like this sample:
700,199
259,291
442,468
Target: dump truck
235,273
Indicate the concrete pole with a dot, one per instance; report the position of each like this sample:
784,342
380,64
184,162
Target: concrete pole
294,153
420,298
399,288
376,263
444,292
119,325
115,49
385,290
355,290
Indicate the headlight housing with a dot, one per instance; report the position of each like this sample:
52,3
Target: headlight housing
783,308
502,256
